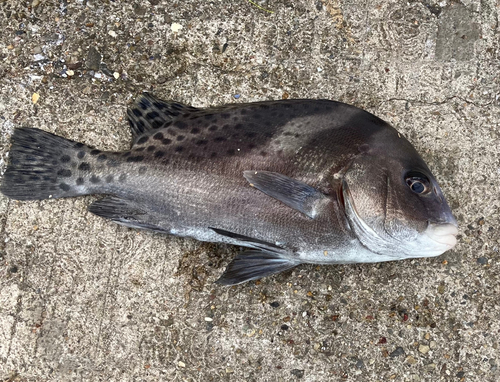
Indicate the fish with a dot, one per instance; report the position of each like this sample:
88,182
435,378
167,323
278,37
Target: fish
290,181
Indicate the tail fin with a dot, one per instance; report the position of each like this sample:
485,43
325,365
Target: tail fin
43,165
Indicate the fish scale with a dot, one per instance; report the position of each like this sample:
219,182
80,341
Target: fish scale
293,181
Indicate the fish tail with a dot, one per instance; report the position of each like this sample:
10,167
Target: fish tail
43,165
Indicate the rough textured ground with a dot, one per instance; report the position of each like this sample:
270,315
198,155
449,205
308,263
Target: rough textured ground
83,299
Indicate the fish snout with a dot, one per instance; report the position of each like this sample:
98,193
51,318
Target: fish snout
444,235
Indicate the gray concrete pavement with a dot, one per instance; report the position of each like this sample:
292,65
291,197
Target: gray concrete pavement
86,300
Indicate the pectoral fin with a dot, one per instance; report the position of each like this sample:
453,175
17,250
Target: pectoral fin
293,193
253,265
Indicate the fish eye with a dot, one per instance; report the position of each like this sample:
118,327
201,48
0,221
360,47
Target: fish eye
418,182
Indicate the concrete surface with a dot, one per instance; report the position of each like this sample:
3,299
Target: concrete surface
86,300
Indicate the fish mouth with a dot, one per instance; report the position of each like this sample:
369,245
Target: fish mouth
445,235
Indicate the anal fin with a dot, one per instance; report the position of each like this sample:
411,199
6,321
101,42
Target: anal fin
125,212
252,265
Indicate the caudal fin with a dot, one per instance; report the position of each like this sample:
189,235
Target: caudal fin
43,165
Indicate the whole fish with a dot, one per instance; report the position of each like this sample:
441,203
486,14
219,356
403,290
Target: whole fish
293,181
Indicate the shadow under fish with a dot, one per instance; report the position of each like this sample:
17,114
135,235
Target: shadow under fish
293,181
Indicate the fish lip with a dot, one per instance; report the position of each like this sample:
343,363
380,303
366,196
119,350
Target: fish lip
443,233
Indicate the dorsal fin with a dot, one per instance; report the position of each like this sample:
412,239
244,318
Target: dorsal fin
150,113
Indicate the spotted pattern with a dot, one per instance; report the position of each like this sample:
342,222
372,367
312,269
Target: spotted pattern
231,130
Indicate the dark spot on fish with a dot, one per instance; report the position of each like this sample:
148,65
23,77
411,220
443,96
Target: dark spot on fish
65,159
142,140
208,117
78,145
225,115
225,127
151,148
102,158
137,112
220,139
109,178
195,130
64,187
135,159
63,173
167,124
159,154
157,124
179,149
166,141
95,152
142,170
263,153
113,163
126,154
250,134
34,178
144,104
158,136
122,178
84,166
180,125
201,142
171,131
238,126
79,181
180,137
80,154
152,115
160,105
141,124
139,149
230,152
213,128
213,155
94,179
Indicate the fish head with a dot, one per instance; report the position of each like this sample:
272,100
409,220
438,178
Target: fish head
394,204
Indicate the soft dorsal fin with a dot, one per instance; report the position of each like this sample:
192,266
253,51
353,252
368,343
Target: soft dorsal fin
150,113
292,192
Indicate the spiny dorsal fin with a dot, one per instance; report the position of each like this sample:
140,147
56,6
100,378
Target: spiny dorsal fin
150,113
